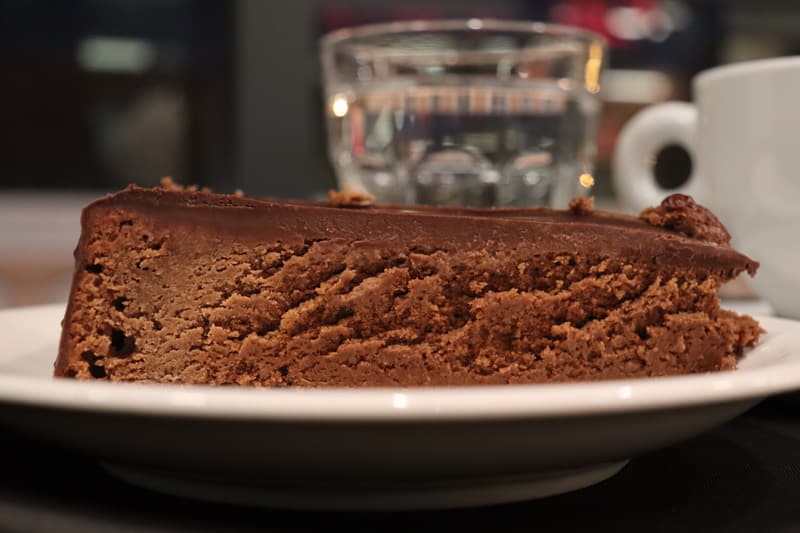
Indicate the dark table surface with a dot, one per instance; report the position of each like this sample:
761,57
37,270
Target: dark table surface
743,476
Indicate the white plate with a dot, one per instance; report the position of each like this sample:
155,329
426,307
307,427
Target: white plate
372,448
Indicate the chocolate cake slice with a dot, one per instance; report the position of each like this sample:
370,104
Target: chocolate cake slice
180,286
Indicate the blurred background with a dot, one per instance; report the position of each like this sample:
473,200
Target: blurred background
97,94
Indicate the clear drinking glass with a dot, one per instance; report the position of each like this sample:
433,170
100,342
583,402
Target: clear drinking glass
463,112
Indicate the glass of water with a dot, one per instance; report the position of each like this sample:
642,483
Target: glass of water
463,112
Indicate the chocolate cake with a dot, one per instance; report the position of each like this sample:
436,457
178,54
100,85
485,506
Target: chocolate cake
181,286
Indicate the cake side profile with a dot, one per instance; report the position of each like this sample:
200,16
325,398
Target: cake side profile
175,286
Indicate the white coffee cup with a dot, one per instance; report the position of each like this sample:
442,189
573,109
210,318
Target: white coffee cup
743,134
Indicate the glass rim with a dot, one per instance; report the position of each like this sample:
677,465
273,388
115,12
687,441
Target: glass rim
342,35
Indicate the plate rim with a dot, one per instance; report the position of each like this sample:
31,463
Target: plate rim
414,404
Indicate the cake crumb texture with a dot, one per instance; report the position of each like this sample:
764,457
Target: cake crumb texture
159,303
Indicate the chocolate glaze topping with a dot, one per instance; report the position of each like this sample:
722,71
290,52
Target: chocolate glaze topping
679,232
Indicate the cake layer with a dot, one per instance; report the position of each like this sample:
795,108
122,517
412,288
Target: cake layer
175,286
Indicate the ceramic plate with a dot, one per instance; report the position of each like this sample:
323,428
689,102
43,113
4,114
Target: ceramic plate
372,448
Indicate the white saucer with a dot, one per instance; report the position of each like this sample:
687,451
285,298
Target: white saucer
453,493
372,448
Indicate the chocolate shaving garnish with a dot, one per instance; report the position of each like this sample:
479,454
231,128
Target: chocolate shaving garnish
350,199
581,206
680,213
167,183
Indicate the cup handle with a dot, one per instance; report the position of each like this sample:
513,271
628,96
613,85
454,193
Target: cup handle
640,140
